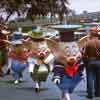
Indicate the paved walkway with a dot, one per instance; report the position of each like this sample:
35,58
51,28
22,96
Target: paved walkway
25,90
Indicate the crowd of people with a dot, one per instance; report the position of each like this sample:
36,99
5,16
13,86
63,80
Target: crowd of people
38,53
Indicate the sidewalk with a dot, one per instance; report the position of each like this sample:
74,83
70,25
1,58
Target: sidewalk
25,90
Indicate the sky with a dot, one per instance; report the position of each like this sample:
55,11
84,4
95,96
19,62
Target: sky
80,5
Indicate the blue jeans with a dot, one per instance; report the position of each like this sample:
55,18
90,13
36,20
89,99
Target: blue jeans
93,78
18,68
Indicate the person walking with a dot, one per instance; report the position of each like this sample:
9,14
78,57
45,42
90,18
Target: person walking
92,53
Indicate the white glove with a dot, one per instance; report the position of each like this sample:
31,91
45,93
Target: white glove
31,67
57,81
9,63
31,62
49,58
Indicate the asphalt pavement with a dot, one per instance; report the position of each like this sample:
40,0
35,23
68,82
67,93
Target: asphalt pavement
25,90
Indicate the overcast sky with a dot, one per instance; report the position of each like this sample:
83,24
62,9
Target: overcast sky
81,5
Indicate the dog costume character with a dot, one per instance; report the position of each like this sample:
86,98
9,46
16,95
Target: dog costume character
3,48
67,59
41,57
18,55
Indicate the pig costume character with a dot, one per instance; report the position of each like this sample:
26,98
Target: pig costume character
67,71
41,57
18,55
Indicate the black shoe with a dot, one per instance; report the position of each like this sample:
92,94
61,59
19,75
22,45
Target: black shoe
97,94
37,90
90,97
8,72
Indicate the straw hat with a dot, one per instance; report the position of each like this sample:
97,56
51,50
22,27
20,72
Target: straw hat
36,33
83,40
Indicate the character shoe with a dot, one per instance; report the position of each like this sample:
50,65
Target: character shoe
8,72
21,79
37,90
16,82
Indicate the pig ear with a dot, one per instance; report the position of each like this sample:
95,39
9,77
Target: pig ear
27,42
57,51
83,40
6,42
52,44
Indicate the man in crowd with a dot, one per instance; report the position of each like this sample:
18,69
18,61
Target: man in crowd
92,54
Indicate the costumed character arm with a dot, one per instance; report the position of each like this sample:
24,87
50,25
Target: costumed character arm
31,63
82,43
27,43
59,54
4,43
58,73
9,63
49,60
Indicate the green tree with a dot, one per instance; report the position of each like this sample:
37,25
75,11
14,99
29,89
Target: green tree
37,7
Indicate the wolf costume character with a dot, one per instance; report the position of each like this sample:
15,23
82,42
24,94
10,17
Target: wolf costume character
18,55
67,72
41,57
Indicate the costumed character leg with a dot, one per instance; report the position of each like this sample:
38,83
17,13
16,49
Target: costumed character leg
9,66
1,72
2,61
37,86
17,69
20,76
32,72
39,73
65,95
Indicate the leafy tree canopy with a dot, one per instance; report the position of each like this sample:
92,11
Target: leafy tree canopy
34,7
